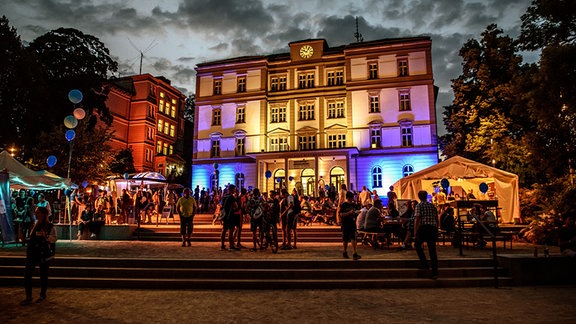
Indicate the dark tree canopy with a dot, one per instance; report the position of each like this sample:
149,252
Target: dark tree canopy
70,60
22,91
548,23
479,122
123,162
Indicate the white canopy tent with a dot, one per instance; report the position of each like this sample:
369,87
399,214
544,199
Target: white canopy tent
23,178
468,175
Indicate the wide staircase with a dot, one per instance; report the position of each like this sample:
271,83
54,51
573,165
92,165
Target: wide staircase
205,231
79,272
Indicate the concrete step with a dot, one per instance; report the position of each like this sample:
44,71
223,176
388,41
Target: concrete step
253,274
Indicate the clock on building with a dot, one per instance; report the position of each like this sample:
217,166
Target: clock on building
306,51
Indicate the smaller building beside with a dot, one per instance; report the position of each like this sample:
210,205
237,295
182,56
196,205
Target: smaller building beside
148,118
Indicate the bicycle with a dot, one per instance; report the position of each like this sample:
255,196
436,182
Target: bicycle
269,236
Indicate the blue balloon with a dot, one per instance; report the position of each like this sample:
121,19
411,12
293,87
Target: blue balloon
84,183
126,175
268,174
290,178
75,96
445,183
215,165
70,134
51,161
67,192
483,187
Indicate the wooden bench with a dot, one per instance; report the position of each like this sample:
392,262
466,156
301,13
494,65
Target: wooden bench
371,238
503,236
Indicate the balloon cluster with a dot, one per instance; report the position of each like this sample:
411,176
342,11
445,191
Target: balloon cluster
71,121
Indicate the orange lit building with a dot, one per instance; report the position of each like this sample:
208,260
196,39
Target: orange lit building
148,118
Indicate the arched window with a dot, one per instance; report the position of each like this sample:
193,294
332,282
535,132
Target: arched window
279,179
377,177
407,170
337,177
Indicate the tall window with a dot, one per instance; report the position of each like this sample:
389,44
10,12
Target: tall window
166,128
306,112
165,149
274,114
307,142
173,111
377,177
374,104
337,141
161,105
406,135
403,66
274,83
407,170
274,146
159,147
215,148
306,80
405,100
282,114
240,146
172,130
336,109
148,155
240,114
160,125
335,78
242,84
283,144
149,133
239,180
373,70
375,137
217,86
216,117
282,83
171,149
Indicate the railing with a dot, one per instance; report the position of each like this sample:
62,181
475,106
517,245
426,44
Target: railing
494,252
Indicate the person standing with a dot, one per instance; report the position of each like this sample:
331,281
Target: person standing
42,202
348,225
426,230
186,208
39,252
230,220
365,197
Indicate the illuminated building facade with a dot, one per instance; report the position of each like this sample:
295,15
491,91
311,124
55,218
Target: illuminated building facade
359,114
148,118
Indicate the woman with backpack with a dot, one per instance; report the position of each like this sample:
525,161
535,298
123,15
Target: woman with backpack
256,210
40,250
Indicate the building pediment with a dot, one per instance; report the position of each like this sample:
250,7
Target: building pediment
336,127
278,131
307,129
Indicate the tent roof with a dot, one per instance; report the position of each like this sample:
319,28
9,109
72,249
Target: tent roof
459,167
23,178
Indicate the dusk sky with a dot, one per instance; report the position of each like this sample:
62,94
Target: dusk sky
175,35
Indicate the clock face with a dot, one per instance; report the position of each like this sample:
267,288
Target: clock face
306,51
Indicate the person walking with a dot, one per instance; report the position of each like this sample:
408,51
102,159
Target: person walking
426,230
230,221
186,208
39,252
348,213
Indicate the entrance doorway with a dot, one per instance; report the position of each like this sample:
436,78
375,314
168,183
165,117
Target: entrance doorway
337,177
308,182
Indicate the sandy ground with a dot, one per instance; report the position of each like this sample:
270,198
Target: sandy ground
460,305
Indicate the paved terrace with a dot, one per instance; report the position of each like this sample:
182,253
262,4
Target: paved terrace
540,304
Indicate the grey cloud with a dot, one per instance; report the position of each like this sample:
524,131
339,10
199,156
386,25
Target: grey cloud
191,59
222,17
220,47
162,64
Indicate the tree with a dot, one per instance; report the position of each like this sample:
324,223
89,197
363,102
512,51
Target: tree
189,112
123,162
479,122
22,91
548,23
70,60
548,93
91,153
